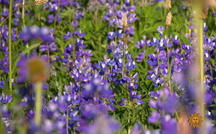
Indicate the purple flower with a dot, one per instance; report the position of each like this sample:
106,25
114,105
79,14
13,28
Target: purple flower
138,129
2,84
36,33
102,125
154,118
171,104
4,99
5,12
51,47
50,19
168,126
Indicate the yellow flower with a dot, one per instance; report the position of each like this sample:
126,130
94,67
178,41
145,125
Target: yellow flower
195,120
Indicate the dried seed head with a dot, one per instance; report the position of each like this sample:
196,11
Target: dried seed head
124,20
40,2
195,120
37,70
168,4
169,19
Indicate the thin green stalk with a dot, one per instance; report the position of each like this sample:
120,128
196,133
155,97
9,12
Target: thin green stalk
10,44
23,12
169,71
38,103
200,62
129,131
201,75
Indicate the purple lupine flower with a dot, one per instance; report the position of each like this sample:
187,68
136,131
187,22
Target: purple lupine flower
103,125
168,126
138,129
36,33
75,23
5,12
50,19
4,99
96,87
171,104
2,84
154,118
51,47
4,64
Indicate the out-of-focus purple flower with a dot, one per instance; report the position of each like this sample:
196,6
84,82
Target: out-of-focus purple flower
4,64
138,129
171,104
161,29
50,18
96,88
36,33
51,47
154,118
103,124
2,84
5,12
168,126
75,23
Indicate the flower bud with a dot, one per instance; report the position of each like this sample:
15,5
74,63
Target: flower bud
168,19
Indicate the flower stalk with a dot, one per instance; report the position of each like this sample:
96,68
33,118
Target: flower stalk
23,12
38,102
200,93
37,74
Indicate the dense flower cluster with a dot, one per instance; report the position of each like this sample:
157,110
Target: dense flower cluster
170,56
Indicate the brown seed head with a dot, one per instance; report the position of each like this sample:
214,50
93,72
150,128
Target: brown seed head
37,70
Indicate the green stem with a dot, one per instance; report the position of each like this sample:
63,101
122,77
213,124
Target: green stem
10,44
200,99
38,102
129,131
23,12
169,72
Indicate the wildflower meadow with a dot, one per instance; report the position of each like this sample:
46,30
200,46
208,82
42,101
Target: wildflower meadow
107,67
